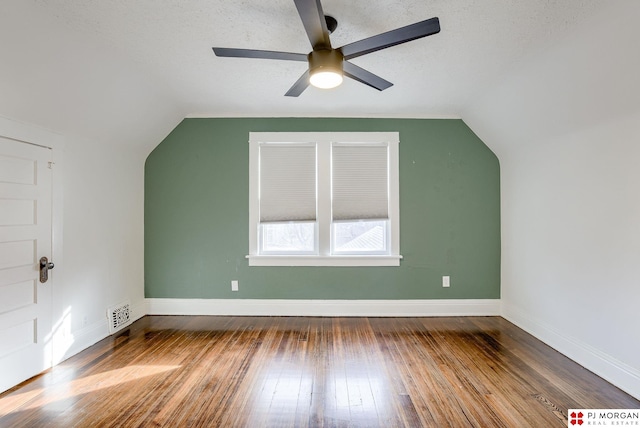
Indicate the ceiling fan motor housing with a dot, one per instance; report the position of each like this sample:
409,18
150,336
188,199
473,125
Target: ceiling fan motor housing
325,60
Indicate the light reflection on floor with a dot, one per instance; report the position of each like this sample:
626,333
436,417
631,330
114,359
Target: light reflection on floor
63,390
354,393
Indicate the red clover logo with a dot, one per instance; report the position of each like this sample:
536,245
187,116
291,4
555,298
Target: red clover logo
576,418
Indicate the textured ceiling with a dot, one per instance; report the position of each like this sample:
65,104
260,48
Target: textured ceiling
480,42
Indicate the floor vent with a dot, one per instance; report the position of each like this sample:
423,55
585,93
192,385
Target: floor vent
119,317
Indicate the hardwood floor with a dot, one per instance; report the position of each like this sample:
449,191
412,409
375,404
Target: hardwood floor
175,371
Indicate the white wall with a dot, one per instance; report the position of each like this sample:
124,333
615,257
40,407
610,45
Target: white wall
565,127
110,113
103,240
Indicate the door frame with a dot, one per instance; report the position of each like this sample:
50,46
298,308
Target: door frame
32,134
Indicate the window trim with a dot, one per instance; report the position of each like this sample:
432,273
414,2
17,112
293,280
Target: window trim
324,141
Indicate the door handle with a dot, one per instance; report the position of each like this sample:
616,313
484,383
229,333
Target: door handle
45,266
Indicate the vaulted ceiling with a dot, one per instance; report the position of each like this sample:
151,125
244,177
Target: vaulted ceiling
96,65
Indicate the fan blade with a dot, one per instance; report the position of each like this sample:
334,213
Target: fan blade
363,76
391,38
312,17
300,85
253,53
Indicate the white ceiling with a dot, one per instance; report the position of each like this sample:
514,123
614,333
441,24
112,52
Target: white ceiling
170,41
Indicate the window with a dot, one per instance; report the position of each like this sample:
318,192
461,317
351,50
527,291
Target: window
324,199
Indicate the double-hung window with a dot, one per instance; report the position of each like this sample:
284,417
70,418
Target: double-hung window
324,199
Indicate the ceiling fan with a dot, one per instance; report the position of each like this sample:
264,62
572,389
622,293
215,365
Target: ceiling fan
328,65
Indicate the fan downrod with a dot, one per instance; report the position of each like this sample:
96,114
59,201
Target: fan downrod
332,23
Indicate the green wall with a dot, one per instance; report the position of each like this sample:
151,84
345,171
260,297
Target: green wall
196,216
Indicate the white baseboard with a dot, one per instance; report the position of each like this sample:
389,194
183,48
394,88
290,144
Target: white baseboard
333,308
138,310
604,365
67,344
82,339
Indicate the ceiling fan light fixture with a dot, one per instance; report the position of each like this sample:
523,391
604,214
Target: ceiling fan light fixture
325,79
325,68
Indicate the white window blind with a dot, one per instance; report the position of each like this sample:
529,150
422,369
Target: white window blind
324,199
360,180
287,182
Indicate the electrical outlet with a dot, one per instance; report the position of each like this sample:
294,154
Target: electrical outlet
445,281
234,285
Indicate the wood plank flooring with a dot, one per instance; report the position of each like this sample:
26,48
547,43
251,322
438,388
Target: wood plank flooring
179,371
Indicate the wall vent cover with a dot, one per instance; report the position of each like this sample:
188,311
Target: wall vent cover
119,317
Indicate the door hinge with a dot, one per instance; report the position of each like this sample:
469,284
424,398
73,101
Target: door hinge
50,164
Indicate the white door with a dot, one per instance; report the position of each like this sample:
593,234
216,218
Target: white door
25,237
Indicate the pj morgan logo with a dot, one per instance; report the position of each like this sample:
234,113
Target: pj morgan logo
603,418
576,418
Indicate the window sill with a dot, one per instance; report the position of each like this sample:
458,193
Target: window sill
352,261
